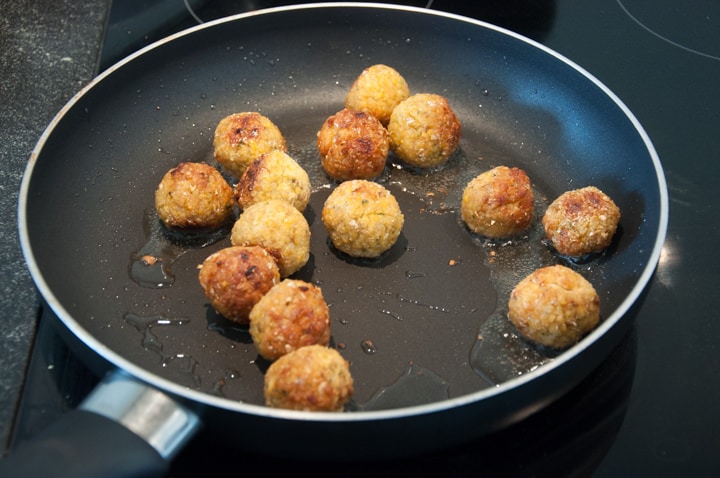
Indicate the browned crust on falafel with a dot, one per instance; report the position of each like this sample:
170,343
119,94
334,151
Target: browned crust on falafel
582,221
193,195
291,315
235,278
274,175
353,145
498,203
240,138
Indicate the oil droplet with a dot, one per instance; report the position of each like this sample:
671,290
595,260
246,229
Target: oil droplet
499,354
392,314
185,363
150,265
229,329
182,363
145,325
219,386
414,275
421,304
417,386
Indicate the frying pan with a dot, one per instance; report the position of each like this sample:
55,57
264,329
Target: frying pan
434,360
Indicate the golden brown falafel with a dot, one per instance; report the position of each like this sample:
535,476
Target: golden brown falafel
193,195
291,315
362,218
581,222
554,306
377,91
278,227
312,378
240,138
274,175
235,278
498,203
424,131
353,145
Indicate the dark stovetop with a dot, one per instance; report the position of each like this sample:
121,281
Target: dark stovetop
650,409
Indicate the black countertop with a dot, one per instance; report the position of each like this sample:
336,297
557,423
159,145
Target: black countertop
48,50
664,67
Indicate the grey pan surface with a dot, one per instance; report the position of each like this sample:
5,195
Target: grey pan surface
423,327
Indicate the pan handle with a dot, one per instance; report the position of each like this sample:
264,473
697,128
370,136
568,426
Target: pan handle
123,429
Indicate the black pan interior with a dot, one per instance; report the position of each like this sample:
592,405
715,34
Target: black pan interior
409,324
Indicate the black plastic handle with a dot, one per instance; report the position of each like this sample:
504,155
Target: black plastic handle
83,444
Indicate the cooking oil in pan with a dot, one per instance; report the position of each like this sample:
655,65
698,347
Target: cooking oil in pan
185,363
151,265
499,353
388,315
417,386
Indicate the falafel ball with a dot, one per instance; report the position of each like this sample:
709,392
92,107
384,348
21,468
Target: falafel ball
240,138
377,91
362,218
193,195
424,131
291,315
580,222
353,145
554,306
235,278
274,175
278,227
311,378
498,203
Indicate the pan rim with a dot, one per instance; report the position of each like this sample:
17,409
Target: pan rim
202,398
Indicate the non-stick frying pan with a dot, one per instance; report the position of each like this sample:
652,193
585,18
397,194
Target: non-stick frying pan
434,359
